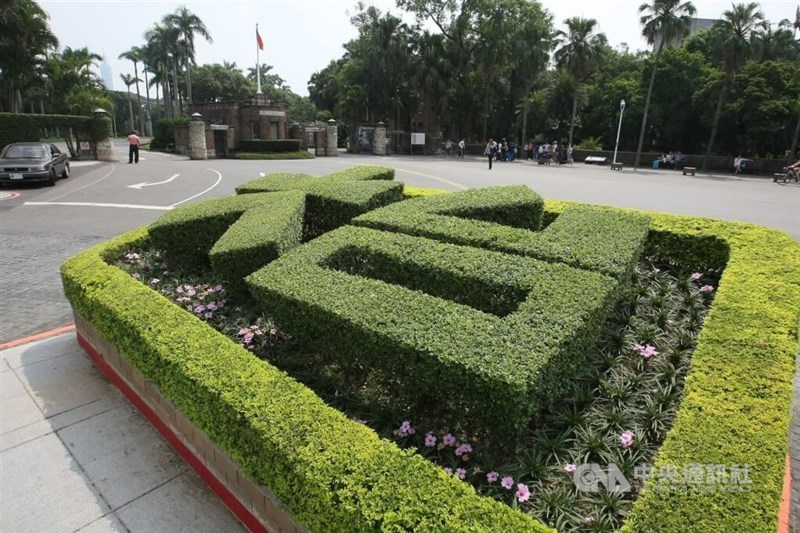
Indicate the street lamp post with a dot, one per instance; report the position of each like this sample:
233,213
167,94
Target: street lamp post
619,128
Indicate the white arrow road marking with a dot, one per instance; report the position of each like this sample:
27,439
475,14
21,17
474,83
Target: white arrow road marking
148,184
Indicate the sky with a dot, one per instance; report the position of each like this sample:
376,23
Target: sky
302,36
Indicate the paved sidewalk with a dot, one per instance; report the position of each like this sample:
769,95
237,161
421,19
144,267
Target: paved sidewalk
75,455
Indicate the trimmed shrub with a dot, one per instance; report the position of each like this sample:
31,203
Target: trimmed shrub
333,474
188,234
269,145
337,475
334,199
21,127
260,235
251,156
501,218
486,337
164,133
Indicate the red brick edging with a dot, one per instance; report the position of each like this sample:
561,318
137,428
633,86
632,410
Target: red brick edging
255,506
37,337
784,515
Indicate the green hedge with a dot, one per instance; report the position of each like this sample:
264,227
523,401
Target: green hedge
252,156
337,475
261,235
333,474
188,234
479,337
501,218
334,199
164,133
21,127
270,146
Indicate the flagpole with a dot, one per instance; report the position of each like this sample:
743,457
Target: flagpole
258,64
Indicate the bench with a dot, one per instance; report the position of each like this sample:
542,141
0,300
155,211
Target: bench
616,166
689,170
595,159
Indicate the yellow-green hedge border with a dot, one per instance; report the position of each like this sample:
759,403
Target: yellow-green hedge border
736,406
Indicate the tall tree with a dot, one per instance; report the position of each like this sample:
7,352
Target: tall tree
129,80
664,21
134,55
580,49
25,39
735,32
188,24
160,54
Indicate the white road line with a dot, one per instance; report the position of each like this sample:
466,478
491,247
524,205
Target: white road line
148,184
219,178
84,186
95,204
448,182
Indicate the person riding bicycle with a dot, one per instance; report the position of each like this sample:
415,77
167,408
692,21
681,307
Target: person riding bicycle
794,171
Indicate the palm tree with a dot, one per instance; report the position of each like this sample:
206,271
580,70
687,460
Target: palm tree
187,24
794,25
25,39
580,50
135,55
736,32
664,21
160,47
129,80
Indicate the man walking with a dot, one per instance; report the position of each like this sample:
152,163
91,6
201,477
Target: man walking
490,151
461,146
133,147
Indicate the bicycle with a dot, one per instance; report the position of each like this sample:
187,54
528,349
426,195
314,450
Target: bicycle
786,174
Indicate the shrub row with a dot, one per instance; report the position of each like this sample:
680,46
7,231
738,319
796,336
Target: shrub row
336,475
501,218
334,199
737,400
20,127
270,145
481,338
261,235
188,234
333,474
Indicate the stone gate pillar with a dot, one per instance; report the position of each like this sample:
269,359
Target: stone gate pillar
332,134
197,137
379,140
104,146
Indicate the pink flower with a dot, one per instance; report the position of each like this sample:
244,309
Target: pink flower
461,473
464,448
154,281
706,288
136,275
590,520
190,292
430,440
243,331
209,315
218,288
448,440
626,439
405,429
507,482
570,468
273,332
132,256
492,476
523,493
449,471
695,276
645,351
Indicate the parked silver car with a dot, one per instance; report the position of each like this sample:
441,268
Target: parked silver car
26,162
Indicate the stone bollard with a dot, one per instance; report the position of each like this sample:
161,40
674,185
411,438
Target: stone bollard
379,140
104,144
332,134
197,137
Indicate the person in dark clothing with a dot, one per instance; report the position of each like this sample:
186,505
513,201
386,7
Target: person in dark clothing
490,151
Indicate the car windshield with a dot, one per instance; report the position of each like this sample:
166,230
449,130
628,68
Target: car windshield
26,152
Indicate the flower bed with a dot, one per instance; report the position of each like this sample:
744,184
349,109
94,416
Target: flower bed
335,474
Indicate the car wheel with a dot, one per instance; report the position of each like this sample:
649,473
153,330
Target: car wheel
51,180
65,174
